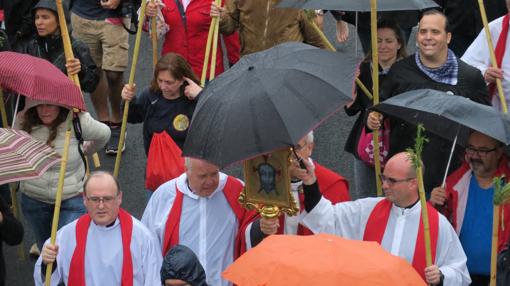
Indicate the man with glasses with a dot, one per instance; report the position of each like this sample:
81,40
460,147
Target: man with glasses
107,246
393,221
467,201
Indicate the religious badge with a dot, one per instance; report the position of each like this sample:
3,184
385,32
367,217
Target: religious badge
268,188
181,122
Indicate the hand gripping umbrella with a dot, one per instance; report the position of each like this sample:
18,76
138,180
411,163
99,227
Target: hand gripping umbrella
38,79
268,100
373,6
451,117
446,115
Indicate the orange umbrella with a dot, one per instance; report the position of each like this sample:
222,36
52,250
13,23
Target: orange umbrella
321,259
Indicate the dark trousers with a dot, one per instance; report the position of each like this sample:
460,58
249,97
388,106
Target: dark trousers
480,280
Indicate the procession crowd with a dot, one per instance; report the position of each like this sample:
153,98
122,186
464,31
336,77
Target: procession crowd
193,226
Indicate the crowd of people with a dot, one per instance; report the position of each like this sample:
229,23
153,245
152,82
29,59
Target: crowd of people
193,226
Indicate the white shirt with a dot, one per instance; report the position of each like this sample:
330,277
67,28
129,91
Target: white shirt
208,226
348,219
478,56
103,256
185,4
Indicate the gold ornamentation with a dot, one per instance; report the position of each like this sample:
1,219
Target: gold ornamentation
181,122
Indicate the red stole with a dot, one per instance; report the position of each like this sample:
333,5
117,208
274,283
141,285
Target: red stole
231,191
376,226
77,267
500,49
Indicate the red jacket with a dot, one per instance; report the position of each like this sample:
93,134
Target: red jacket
457,188
190,40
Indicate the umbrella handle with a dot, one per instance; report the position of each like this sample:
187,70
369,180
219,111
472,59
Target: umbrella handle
207,51
216,28
449,160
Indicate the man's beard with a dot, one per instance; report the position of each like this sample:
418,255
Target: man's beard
477,165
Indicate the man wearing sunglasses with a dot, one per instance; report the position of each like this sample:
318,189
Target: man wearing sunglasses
467,203
393,221
106,246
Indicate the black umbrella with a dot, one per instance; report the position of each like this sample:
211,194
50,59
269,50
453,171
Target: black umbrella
447,115
267,101
358,5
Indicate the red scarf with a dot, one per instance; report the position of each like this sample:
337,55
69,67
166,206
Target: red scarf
500,50
77,267
231,191
376,226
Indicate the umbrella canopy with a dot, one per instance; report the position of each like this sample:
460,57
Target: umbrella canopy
38,79
22,157
447,115
321,259
358,5
267,101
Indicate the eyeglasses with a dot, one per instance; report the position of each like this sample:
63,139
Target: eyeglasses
98,200
482,152
392,181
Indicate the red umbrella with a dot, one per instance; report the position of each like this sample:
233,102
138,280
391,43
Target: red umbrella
38,79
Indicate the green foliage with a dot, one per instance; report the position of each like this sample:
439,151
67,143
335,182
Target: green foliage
419,143
501,191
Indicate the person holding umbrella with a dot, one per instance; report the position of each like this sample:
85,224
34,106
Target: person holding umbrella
393,221
165,108
434,66
47,44
391,48
467,202
46,122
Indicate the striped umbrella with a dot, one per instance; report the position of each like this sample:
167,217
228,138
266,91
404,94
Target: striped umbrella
22,157
38,79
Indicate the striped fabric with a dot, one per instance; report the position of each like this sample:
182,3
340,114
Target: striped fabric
22,157
39,79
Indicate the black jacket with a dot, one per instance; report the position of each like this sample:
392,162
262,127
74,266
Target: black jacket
464,15
51,48
360,105
405,75
11,232
19,22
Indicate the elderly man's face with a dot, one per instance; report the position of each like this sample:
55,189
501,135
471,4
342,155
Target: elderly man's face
304,149
483,154
102,200
399,186
432,38
203,177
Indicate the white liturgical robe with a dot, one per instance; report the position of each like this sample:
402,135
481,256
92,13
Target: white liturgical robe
348,220
104,255
478,56
208,226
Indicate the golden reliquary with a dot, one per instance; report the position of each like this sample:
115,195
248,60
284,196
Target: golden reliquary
267,188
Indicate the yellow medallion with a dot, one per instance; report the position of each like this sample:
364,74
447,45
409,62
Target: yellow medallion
181,122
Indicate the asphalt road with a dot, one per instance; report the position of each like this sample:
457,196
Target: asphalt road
329,138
